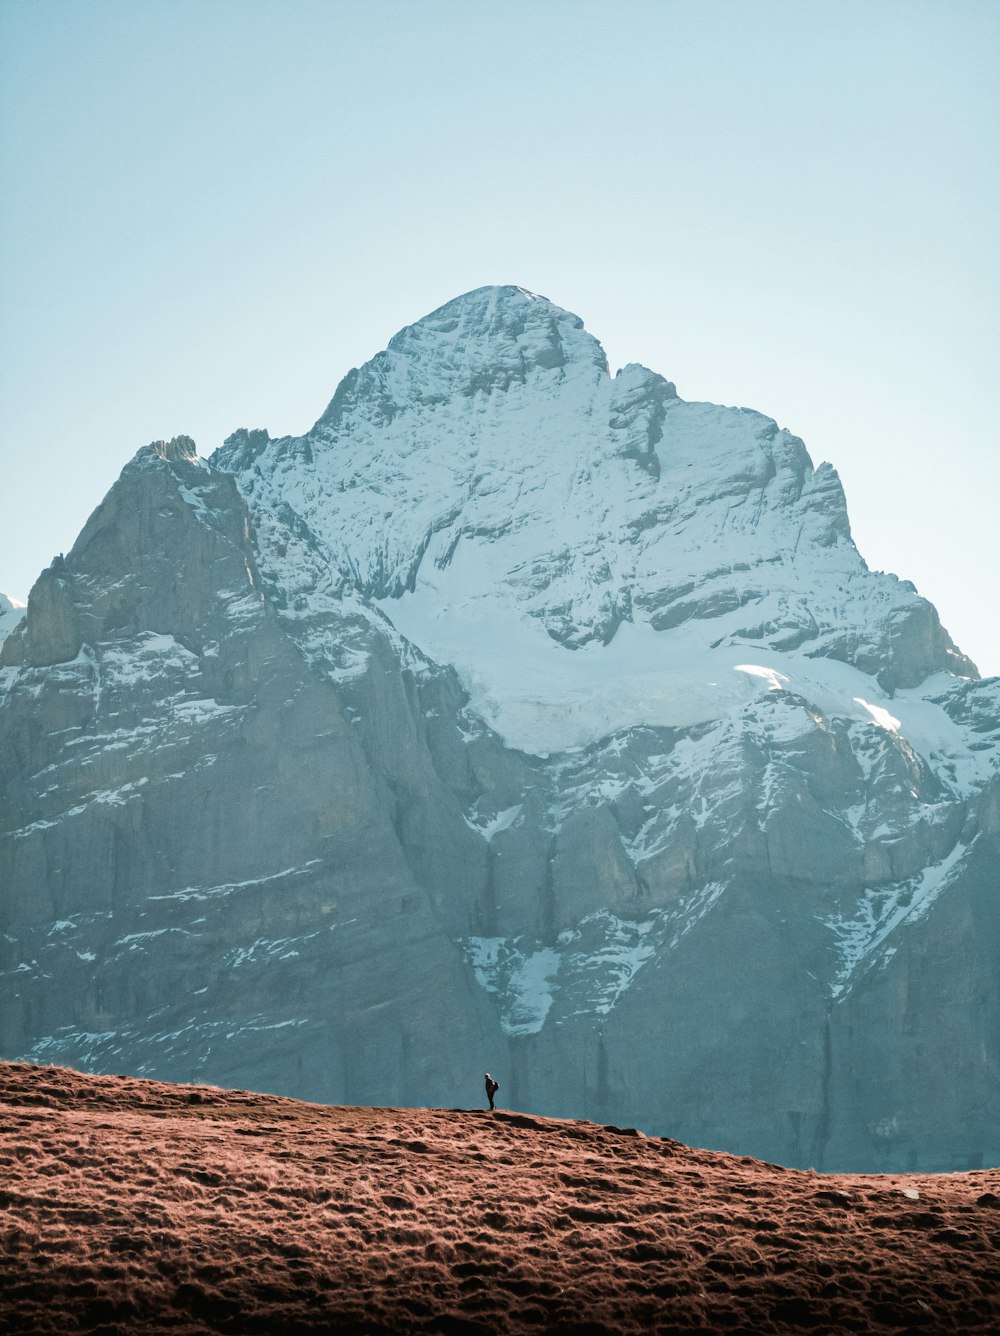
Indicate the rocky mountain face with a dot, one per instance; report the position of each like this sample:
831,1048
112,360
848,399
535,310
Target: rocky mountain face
517,717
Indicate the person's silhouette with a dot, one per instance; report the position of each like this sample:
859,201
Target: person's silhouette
491,1089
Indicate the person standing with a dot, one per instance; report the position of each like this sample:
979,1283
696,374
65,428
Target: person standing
491,1089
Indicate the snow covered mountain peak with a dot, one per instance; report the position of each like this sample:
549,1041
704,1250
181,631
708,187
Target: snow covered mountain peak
484,320
481,342
506,500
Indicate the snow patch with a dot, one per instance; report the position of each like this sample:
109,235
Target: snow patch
775,681
522,981
590,967
860,936
606,972
881,715
227,888
490,826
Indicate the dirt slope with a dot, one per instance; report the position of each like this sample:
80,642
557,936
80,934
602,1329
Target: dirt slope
129,1205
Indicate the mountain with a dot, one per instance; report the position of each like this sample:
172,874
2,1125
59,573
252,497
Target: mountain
521,717
207,1210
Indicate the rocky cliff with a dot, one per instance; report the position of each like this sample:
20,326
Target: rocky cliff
516,716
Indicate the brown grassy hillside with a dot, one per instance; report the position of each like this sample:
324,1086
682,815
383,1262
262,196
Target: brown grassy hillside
130,1206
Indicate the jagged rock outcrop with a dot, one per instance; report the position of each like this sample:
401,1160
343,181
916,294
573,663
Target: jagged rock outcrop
517,716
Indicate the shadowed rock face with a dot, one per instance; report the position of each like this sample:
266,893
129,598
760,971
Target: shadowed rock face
197,1209
518,716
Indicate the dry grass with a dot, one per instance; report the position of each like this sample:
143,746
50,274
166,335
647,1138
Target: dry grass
132,1206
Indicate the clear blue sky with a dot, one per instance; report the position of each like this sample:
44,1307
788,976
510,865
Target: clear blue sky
211,211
